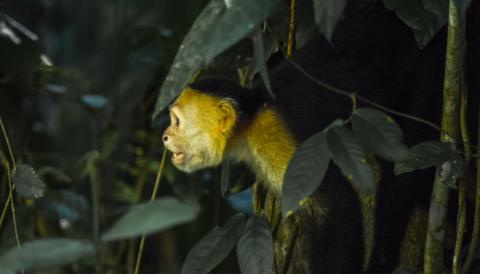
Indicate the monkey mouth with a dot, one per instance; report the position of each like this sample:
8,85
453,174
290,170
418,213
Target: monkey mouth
178,157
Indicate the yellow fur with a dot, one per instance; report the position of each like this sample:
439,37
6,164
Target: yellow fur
209,133
266,146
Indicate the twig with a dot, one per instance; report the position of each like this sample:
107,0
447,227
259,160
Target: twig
7,141
152,197
291,32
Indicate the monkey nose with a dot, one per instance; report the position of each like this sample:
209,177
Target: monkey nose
165,138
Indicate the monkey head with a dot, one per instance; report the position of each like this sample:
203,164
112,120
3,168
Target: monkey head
199,131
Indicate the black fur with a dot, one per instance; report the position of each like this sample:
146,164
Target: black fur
376,56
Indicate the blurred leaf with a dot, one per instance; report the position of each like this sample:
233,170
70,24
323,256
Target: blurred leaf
379,133
347,153
215,29
425,17
94,101
45,253
27,183
64,204
425,155
214,247
260,60
327,14
305,172
56,173
151,217
255,247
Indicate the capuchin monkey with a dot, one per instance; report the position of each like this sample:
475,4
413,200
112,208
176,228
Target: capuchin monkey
375,55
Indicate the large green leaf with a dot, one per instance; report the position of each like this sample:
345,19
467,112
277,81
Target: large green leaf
255,247
380,134
347,153
214,247
45,254
151,217
27,183
425,155
305,172
216,28
327,14
425,17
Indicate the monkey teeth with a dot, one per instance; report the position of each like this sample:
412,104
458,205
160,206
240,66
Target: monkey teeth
178,156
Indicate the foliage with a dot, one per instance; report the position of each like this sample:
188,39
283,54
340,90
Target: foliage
77,89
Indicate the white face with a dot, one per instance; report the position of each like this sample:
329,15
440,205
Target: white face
196,134
189,144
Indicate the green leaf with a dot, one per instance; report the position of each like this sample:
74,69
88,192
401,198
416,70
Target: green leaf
425,155
425,17
255,247
380,134
27,183
45,254
260,61
305,172
347,153
327,14
215,29
151,217
214,247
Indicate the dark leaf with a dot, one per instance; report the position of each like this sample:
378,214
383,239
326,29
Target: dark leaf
260,60
425,155
214,247
425,17
215,29
347,153
305,172
327,14
27,183
255,247
151,217
235,178
380,134
45,253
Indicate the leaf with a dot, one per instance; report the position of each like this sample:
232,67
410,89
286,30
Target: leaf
425,17
379,133
27,183
45,253
151,217
235,178
425,155
215,29
255,247
260,61
327,14
214,247
347,153
305,172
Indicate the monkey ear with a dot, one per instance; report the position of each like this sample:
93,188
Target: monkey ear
229,116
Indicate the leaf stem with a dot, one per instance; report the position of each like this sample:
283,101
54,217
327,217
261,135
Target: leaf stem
291,32
152,197
7,141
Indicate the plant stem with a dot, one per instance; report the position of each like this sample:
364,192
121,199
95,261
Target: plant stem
152,197
453,84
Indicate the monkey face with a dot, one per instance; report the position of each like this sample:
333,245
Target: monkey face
200,128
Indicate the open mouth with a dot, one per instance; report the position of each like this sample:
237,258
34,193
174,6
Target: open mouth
178,157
